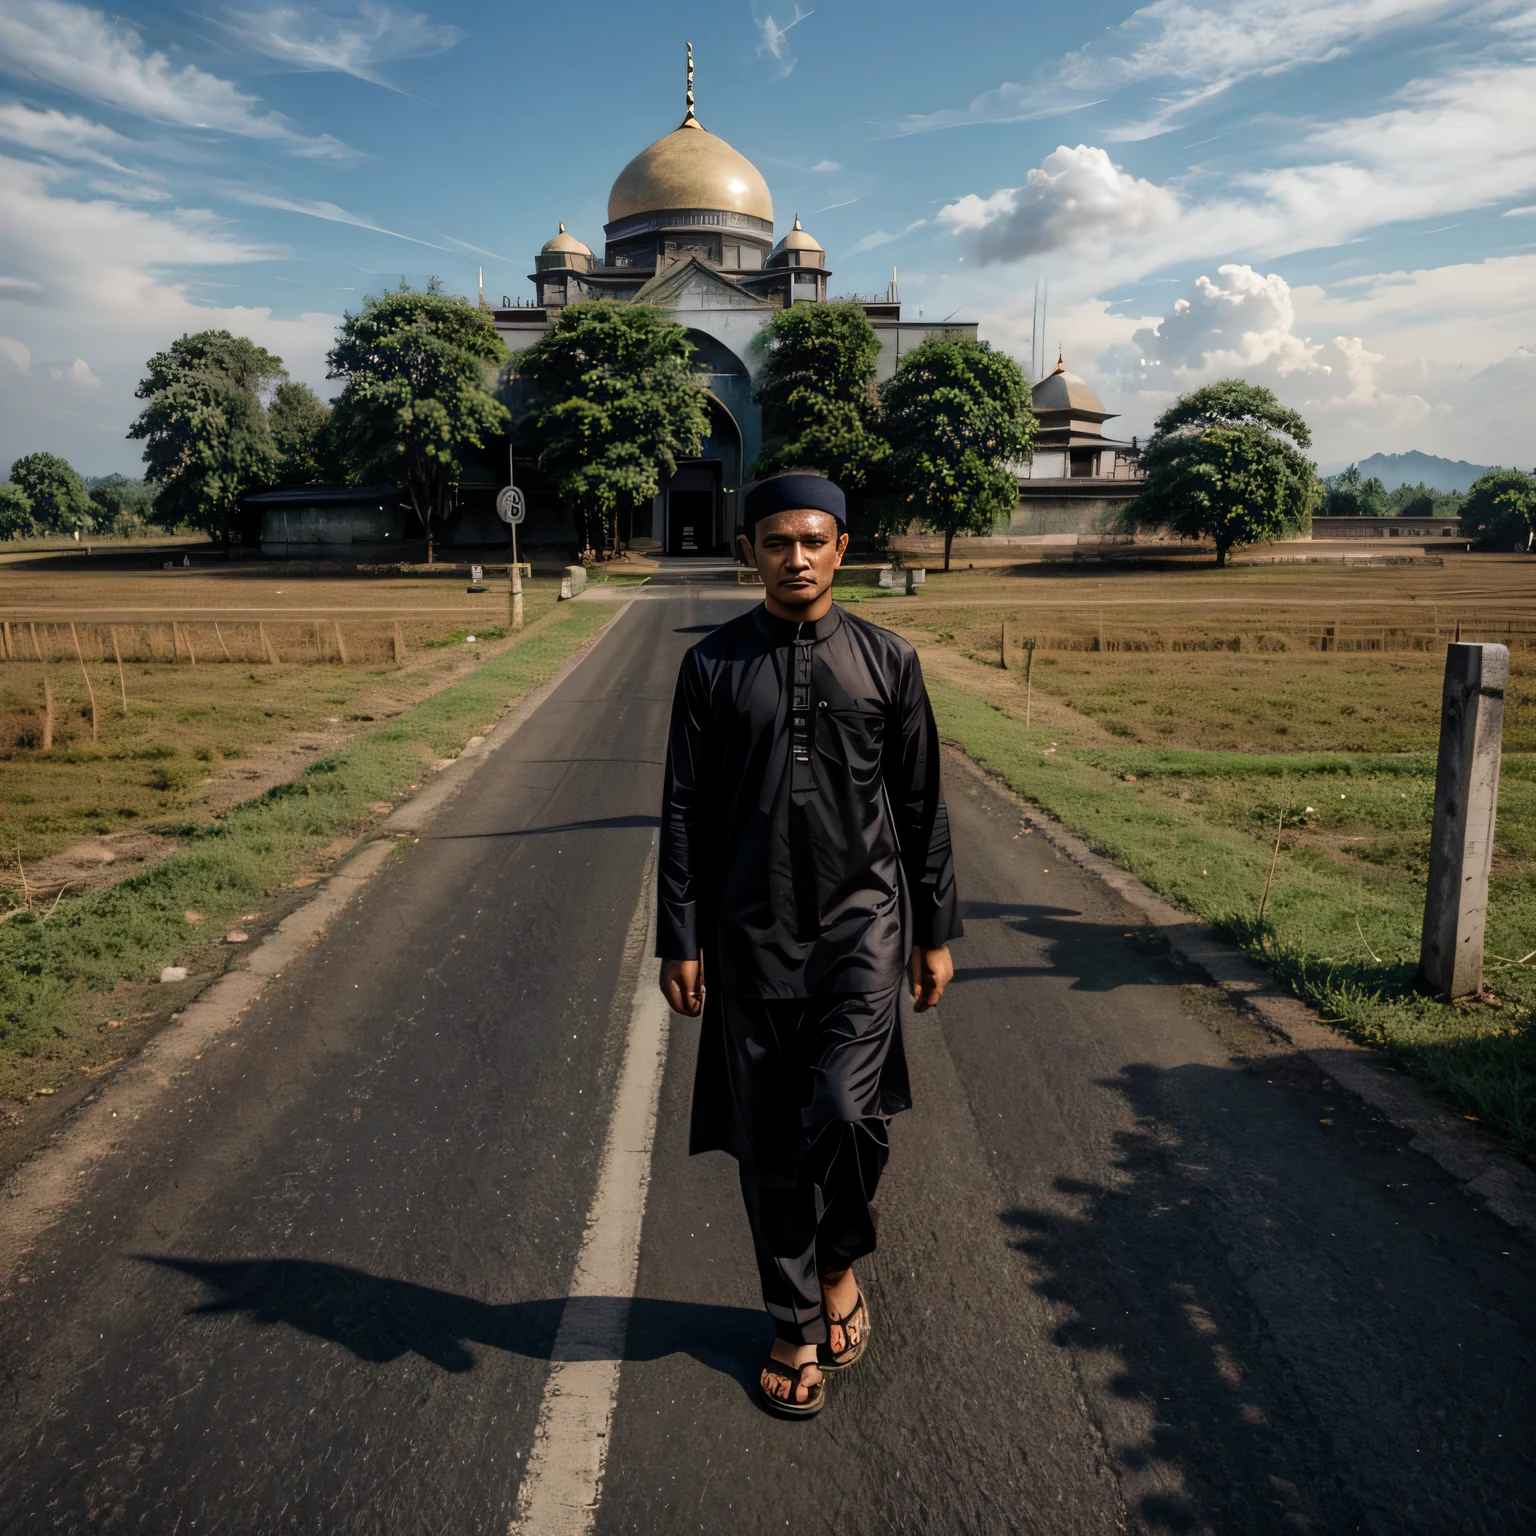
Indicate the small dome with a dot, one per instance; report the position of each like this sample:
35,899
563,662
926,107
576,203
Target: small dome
1063,391
564,244
798,240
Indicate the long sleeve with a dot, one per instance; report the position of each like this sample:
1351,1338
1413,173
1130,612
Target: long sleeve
922,823
683,842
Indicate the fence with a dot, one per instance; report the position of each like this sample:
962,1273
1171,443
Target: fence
357,642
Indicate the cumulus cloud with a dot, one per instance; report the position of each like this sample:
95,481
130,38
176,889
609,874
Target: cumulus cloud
17,353
827,167
355,42
83,51
1210,47
1075,198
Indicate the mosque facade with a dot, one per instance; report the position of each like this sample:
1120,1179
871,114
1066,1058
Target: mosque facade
691,230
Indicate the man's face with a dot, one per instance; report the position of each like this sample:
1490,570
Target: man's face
796,554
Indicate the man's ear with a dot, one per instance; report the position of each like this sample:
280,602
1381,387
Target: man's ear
842,547
747,552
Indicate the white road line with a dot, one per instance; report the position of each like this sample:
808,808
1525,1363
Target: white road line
563,1481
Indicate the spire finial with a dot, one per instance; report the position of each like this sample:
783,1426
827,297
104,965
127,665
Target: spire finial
688,117
562,226
1061,367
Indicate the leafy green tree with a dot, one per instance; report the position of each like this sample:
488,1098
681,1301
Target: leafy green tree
122,505
817,390
1225,463
1501,509
419,368
1423,501
206,437
958,419
60,501
1349,494
15,513
618,405
300,422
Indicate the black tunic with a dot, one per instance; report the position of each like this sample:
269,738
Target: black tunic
804,843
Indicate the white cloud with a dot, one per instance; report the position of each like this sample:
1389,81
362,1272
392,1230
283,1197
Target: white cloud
130,191
1076,198
825,167
322,210
60,134
73,261
80,50
882,237
775,39
354,43
1440,147
1515,213
1212,47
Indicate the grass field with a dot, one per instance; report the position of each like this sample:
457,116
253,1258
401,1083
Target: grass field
196,738
1177,763
77,977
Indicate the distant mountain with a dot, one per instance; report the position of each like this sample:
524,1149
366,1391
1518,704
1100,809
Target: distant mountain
1415,468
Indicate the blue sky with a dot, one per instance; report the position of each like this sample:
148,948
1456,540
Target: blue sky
1333,197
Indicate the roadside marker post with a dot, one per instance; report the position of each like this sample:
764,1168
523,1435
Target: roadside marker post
1466,809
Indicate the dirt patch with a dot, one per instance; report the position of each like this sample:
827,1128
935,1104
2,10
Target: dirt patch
92,864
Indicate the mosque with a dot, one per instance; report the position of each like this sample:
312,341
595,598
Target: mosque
691,230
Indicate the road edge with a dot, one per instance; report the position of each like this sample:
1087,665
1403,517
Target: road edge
1499,1180
41,1188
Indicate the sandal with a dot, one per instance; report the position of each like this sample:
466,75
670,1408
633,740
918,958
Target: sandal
854,1323
786,1406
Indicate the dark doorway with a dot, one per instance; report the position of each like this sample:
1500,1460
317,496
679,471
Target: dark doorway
693,499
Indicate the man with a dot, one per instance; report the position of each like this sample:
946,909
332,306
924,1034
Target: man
805,873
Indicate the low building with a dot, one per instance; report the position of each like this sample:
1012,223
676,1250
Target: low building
1079,480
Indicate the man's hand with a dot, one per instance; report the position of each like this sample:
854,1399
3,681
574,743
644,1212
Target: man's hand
682,984
932,971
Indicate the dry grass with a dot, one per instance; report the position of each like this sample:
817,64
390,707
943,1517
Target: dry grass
198,738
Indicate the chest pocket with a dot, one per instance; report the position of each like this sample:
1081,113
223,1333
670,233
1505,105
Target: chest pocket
859,731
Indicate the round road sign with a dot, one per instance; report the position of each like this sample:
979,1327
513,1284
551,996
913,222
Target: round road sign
510,505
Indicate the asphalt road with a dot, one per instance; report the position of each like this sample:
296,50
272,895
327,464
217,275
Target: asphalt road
1141,1268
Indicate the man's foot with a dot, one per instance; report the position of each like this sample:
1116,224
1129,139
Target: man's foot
792,1381
847,1320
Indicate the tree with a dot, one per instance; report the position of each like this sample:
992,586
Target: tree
618,405
817,390
1225,463
59,500
419,368
958,418
1501,509
205,430
1347,494
15,513
122,505
300,423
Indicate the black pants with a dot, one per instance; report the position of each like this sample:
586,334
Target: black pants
805,1074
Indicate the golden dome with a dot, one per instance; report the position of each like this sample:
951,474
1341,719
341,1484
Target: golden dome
564,244
690,168
798,240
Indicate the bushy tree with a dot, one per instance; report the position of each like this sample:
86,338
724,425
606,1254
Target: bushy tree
419,369
1225,463
122,505
59,500
15,513
1349,494
206,437
618,405
817,390
300,424
1501,509
958,419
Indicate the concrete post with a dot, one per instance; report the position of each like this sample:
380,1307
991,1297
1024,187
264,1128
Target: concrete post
515,596
1466,804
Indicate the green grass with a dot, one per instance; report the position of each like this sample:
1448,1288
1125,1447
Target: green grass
63,973
1343,921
